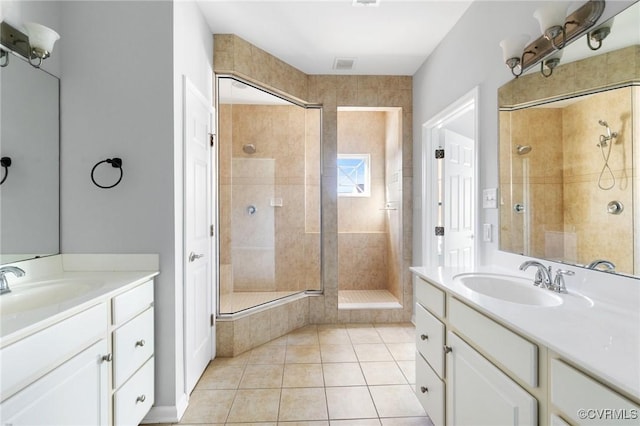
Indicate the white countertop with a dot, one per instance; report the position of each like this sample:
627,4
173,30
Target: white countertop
81,289
603,338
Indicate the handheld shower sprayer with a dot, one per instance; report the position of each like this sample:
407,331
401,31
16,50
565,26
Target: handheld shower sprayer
604,143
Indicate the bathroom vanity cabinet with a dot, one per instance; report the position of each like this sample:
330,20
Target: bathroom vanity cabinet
94,366
472,369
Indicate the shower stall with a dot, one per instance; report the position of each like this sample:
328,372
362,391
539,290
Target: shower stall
268,197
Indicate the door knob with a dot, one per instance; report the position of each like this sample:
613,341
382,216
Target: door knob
193,256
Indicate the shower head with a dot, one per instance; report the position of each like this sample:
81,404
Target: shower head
249,148
523,149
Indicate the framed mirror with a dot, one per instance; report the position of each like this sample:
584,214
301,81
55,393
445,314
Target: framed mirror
29,147
567,152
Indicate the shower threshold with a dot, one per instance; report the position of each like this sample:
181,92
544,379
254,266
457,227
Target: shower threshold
367,299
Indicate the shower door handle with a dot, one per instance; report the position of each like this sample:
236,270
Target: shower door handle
193,256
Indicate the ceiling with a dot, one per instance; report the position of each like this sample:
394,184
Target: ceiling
393,38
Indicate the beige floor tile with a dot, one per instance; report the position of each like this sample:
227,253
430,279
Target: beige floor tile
303,376
372,352
350,403
407,421
255,405
268,354
396,333
358,422
208,406
334,335
310,423
262,376
396,401
220,377
343,374
238,361
409,370
303,404
363,334
282,340
338,353
402,351
302,354
382,373
304,336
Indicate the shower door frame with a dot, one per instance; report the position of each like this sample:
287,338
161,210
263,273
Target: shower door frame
216,205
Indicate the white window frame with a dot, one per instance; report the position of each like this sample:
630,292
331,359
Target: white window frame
367,174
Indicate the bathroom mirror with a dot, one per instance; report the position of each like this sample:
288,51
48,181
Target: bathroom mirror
568,150
268,196
29,137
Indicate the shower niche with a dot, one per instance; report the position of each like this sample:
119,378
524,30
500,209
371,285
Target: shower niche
566,179
268,197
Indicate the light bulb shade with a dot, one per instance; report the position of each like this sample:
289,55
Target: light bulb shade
551,15
41,38
513,46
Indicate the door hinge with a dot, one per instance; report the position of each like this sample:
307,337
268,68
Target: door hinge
439,153
212,138
213,320
212,230
439,231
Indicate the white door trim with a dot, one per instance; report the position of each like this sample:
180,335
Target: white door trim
430,140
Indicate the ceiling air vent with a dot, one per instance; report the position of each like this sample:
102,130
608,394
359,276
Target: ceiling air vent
343,64
369,3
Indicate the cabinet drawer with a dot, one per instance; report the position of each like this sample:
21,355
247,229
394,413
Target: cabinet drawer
430,391
572,391
134,400
46,349
134,301
429,296
430,339
132,346
514,352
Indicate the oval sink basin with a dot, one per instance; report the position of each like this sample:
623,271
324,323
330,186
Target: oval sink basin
509,288
41,294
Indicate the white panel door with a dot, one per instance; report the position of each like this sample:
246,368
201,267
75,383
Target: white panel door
479,394
198,295
458,202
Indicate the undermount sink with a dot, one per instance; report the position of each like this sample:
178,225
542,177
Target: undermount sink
41,294
509,288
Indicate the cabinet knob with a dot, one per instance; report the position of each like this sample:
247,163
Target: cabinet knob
447,349
140,343
141,398
424,389
107,358
424,337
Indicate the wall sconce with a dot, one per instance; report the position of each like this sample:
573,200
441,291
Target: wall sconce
557,32
35,46
599,34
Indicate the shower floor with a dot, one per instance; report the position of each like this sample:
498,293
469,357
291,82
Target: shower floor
367,299
239,301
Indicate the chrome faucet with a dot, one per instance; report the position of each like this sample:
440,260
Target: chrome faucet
543,274
609,266
4,285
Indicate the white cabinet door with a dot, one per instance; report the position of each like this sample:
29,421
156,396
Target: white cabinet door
478,393
76,393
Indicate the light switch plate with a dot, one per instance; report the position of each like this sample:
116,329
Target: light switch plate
490,198
486,232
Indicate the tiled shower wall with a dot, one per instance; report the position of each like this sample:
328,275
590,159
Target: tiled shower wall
234,56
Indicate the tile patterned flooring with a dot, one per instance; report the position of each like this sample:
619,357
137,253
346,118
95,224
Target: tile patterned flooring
353,374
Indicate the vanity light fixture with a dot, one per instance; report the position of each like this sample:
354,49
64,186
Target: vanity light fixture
35,45
557,31
595,37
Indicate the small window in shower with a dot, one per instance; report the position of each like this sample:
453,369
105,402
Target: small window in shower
354,175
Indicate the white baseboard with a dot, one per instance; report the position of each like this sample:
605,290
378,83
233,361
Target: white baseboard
167,413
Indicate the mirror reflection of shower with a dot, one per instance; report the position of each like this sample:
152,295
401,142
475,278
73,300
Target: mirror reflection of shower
606,142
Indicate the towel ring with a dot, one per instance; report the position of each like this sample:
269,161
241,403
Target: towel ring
5,162
115,162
